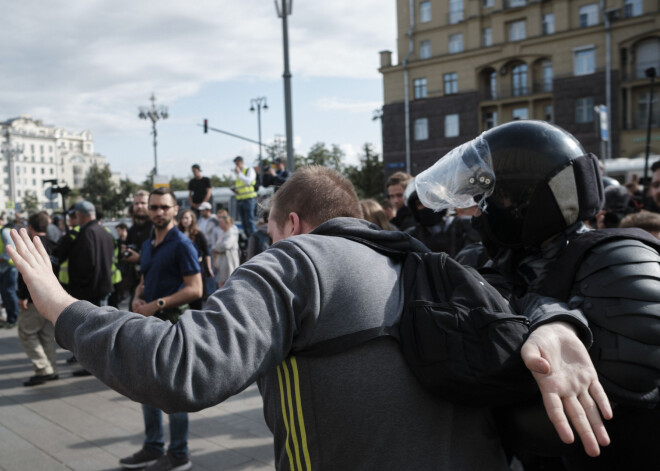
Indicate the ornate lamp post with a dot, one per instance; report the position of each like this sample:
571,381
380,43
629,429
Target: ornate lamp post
259,103
154,113
11,152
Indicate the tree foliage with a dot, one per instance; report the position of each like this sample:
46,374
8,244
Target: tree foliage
99,189
319,154
30,202
223,180
177,184
368,177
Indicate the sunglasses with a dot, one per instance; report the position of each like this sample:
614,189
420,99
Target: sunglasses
156,207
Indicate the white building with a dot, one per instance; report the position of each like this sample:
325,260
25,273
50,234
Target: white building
33,152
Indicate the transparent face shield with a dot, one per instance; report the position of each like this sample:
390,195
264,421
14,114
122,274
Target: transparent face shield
462,178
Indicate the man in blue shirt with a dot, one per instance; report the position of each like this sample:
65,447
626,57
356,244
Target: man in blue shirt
170,280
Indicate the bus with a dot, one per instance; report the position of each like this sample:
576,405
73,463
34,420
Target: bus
623,168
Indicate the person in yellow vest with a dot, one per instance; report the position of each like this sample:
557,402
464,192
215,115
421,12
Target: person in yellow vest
246,195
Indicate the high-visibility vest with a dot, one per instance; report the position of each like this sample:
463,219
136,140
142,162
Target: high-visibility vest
2,248
63,275
116,274
243,191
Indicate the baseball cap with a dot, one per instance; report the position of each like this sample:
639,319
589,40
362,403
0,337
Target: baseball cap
205,205
84,207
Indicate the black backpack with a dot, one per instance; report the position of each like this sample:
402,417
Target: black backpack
459,336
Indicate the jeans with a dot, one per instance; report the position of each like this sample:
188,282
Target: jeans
8,286
246,215
153,428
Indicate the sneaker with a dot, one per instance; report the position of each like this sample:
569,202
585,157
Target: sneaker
169,463
9,325
36,380
142,458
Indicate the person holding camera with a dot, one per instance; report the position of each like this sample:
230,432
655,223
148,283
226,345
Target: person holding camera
137,234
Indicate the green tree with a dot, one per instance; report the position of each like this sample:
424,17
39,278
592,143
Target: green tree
319,154
127,189
224,180
368,177
30,202
98,188
148,183
178,184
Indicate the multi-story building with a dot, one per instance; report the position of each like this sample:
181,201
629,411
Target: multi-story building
468,65
33,152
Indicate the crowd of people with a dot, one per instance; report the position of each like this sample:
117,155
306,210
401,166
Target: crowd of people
208,320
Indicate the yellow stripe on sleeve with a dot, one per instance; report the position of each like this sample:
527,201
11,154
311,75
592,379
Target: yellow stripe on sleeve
284,417
301,420
292,419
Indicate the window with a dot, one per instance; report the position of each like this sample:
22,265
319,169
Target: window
517,30
50,148
547,113
584,110
425,12
451,83
519,80
588,15
632,8
520,113
493,85
419,88
546,85
43,170
490,119
643,111
41,148
421,129
425,49
34,170
584,61
549,23
455,43
488,3
34,182
487,37
18,193
455,11
516,3
32,148
52,172
647,56
451,125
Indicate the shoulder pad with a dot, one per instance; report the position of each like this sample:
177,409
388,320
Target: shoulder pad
616,252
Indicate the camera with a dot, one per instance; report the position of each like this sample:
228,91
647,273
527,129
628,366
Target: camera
126,253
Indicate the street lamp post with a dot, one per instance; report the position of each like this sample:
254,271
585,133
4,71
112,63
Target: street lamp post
650,73
154,113
283,11
11,152
259,102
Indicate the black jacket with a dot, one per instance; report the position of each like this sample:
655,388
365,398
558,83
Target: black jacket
90,263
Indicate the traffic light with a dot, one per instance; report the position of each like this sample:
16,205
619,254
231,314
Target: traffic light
206,126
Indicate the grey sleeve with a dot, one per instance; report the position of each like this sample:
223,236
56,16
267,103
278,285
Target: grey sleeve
245,329
543,309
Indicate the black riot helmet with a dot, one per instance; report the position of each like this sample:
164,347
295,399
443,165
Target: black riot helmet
531,179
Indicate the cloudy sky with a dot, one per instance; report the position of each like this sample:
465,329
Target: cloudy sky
89,64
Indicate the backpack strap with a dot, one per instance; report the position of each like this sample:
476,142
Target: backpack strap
559,279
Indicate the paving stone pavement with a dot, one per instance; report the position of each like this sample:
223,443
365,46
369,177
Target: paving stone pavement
80,424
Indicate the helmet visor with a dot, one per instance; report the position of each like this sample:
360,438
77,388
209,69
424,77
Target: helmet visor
460,179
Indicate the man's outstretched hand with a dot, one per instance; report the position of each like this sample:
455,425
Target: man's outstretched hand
32,260
569,385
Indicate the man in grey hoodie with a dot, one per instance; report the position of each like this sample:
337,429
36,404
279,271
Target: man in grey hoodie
359,409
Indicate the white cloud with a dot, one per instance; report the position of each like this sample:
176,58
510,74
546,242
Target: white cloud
347,105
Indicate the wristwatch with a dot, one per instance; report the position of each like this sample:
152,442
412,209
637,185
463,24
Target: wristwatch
160,303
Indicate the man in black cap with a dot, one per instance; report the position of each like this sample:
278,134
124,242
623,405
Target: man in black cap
246,195
276,176
199,189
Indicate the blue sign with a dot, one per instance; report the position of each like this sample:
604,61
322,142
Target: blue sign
395,165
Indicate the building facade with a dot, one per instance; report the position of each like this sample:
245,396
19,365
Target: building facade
33,152
468,65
